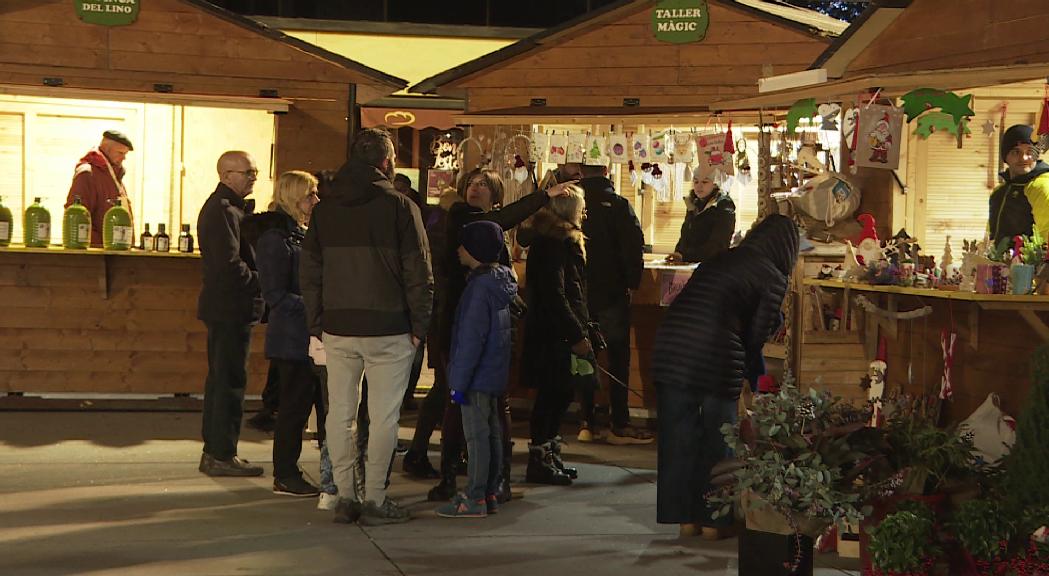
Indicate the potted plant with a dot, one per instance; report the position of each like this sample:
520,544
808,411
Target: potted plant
984,530
903,544
802,458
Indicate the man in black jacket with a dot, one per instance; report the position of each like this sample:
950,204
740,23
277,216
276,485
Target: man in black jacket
230,304
368,289
614,262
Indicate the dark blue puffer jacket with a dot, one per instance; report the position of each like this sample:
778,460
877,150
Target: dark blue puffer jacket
277,249
480,352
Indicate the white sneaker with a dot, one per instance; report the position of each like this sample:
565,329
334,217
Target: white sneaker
327,501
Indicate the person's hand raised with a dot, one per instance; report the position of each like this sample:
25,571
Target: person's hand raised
560,189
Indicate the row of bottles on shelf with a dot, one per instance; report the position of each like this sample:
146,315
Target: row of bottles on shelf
76,230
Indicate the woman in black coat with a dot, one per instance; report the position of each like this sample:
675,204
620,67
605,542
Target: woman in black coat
709,341
709,221
556,326
277,236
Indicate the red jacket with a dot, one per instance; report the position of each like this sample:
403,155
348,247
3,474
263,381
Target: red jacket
97,190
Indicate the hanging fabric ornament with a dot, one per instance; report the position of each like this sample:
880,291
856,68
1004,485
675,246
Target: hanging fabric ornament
880,129
828,114
646,174
659,184
520,169
1043,121
947,340
639,147
576,147
849,135
684,151
618,149
634,178
537,147
712,156
659,147
556,149
595,152
730,146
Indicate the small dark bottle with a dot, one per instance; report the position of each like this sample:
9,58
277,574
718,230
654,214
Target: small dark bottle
162,242
185,240
145,240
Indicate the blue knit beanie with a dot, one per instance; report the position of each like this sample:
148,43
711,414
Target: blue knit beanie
483,240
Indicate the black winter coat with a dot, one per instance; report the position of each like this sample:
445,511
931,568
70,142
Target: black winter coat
614,244
727,311
557,317
230,290
278,243
707,231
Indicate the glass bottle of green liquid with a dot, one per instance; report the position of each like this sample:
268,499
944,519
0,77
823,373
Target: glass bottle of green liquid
76,226
6,224
37,226
116,228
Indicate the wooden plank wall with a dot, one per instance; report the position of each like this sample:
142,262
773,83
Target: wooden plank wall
175,43
944,34
59,334
623,59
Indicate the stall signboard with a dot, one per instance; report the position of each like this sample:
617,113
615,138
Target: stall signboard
680,21
107,12
671,284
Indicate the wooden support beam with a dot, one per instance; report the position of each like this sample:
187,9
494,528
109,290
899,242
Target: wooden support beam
1036,323
974,327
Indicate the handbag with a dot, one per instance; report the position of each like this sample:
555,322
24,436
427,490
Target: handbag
993,431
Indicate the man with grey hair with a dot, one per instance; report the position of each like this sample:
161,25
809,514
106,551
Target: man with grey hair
230,304
368,289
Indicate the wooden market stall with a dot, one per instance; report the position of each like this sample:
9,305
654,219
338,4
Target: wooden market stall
185,80
617,71
939,192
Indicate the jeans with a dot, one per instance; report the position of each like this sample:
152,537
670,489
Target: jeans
228,345
484,442
388,362
690,444
615,326
298,388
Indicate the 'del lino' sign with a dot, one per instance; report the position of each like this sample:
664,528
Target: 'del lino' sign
680,21
107,12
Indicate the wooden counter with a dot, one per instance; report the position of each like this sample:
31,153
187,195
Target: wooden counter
996,336
105,322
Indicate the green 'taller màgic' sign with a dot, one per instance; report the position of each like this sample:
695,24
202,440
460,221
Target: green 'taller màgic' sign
680,21
107,12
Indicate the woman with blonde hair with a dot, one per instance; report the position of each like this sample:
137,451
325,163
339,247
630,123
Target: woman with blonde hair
277,236
556,328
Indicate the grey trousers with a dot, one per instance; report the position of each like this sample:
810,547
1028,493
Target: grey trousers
388,362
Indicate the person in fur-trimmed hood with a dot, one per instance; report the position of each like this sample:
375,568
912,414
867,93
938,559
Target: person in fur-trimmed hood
709,341
556,327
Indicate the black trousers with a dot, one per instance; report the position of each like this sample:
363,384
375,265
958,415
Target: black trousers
228,345
298,389
271,393
615,326
430,413
548,412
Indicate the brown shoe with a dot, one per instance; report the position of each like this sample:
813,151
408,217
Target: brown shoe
629,435
233,467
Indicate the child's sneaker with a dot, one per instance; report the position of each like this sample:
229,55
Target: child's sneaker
463,507
491,502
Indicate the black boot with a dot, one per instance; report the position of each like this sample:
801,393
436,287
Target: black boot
559,463
444,491
504,494
541,469
418,466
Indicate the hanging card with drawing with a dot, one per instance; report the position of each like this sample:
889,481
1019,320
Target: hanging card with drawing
658,147
618,149
595,152
555,150
576,147
540,140
684,148
712,155
878,137
639,148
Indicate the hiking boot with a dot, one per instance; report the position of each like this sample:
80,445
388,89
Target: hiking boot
327,501
555,456
629,435
235,466
442,492
346,511
541,468
294,486
418,466
388,513
491,503
463,507
264,421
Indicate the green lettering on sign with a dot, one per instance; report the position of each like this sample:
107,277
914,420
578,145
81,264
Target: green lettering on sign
107,12
680,21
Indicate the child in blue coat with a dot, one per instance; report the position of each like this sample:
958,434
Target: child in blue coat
480,365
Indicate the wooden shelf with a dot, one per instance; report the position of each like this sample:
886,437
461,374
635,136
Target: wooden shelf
928,292
20,249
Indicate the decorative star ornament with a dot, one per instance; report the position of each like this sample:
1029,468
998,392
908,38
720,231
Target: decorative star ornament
988,128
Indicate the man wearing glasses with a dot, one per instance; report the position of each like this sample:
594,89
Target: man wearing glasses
230,304
1021,204
99,180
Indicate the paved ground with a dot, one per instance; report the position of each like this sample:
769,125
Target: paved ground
104,493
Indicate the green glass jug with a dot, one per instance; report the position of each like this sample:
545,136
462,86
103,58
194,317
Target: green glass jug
76,226
116,228
6,224
37,229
